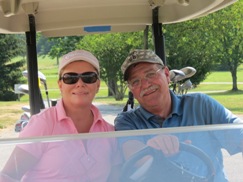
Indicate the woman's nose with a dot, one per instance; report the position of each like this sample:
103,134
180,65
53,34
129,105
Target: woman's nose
80,82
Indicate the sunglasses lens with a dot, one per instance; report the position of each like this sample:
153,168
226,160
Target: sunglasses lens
89,77
72,78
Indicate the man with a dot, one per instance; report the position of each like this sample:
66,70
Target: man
148,79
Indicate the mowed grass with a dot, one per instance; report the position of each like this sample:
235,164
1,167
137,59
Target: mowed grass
219,85
221,80
10,111
231,100
225,76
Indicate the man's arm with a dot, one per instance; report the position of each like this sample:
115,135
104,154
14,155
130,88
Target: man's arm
242,148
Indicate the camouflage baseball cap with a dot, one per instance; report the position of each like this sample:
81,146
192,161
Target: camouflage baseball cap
139,56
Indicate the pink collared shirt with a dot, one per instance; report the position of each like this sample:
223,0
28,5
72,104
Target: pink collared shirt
69,161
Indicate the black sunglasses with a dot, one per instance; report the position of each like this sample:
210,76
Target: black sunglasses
72,78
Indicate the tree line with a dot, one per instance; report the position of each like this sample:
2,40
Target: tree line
207,43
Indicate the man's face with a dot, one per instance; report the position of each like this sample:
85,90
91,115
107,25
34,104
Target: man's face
149,84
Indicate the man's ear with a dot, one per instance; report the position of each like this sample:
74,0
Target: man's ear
167,74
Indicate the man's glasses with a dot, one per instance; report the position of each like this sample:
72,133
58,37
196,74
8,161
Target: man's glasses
136,82
72,78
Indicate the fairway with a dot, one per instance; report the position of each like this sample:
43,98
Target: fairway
217,85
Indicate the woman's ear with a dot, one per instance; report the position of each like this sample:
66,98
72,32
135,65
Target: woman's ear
98,86
59,82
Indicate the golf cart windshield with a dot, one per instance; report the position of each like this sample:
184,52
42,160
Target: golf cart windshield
80,154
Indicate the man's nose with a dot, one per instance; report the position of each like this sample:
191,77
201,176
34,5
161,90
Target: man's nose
145,80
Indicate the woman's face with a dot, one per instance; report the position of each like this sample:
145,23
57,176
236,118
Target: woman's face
80,93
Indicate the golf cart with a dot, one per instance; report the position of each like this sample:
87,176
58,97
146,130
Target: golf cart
24,88
80,17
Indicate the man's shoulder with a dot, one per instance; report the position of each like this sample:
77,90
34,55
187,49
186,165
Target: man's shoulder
132,113
195,95
136,110
193,99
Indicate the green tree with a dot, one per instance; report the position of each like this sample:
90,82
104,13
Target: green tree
112,49
21,41
202,42
10,71
43,44
227,31
189,44
206,41
62,45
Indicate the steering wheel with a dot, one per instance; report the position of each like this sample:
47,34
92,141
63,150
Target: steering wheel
161,168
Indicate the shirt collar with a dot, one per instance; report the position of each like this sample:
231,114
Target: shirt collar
176,103
61,113
145,113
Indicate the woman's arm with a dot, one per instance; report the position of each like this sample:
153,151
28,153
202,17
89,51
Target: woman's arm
18,164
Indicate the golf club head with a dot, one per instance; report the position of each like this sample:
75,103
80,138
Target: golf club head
176,75
25,116
26,108
189,71
41,76
24,88
187,84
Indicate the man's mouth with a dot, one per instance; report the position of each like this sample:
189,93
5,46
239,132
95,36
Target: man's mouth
148,91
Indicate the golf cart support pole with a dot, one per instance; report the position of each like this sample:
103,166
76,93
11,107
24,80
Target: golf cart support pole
32,66
158,37
159,45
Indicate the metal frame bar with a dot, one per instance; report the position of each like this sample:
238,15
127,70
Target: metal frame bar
158,37
35,98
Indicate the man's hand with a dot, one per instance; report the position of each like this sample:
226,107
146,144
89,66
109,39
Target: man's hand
168,144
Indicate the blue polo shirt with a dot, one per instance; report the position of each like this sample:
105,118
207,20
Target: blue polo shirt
189,110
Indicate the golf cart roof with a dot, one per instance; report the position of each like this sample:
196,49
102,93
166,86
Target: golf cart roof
78,17
57,18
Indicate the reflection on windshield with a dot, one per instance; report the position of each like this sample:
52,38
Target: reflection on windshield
84,157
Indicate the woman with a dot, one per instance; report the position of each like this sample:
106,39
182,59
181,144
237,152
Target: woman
73,160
